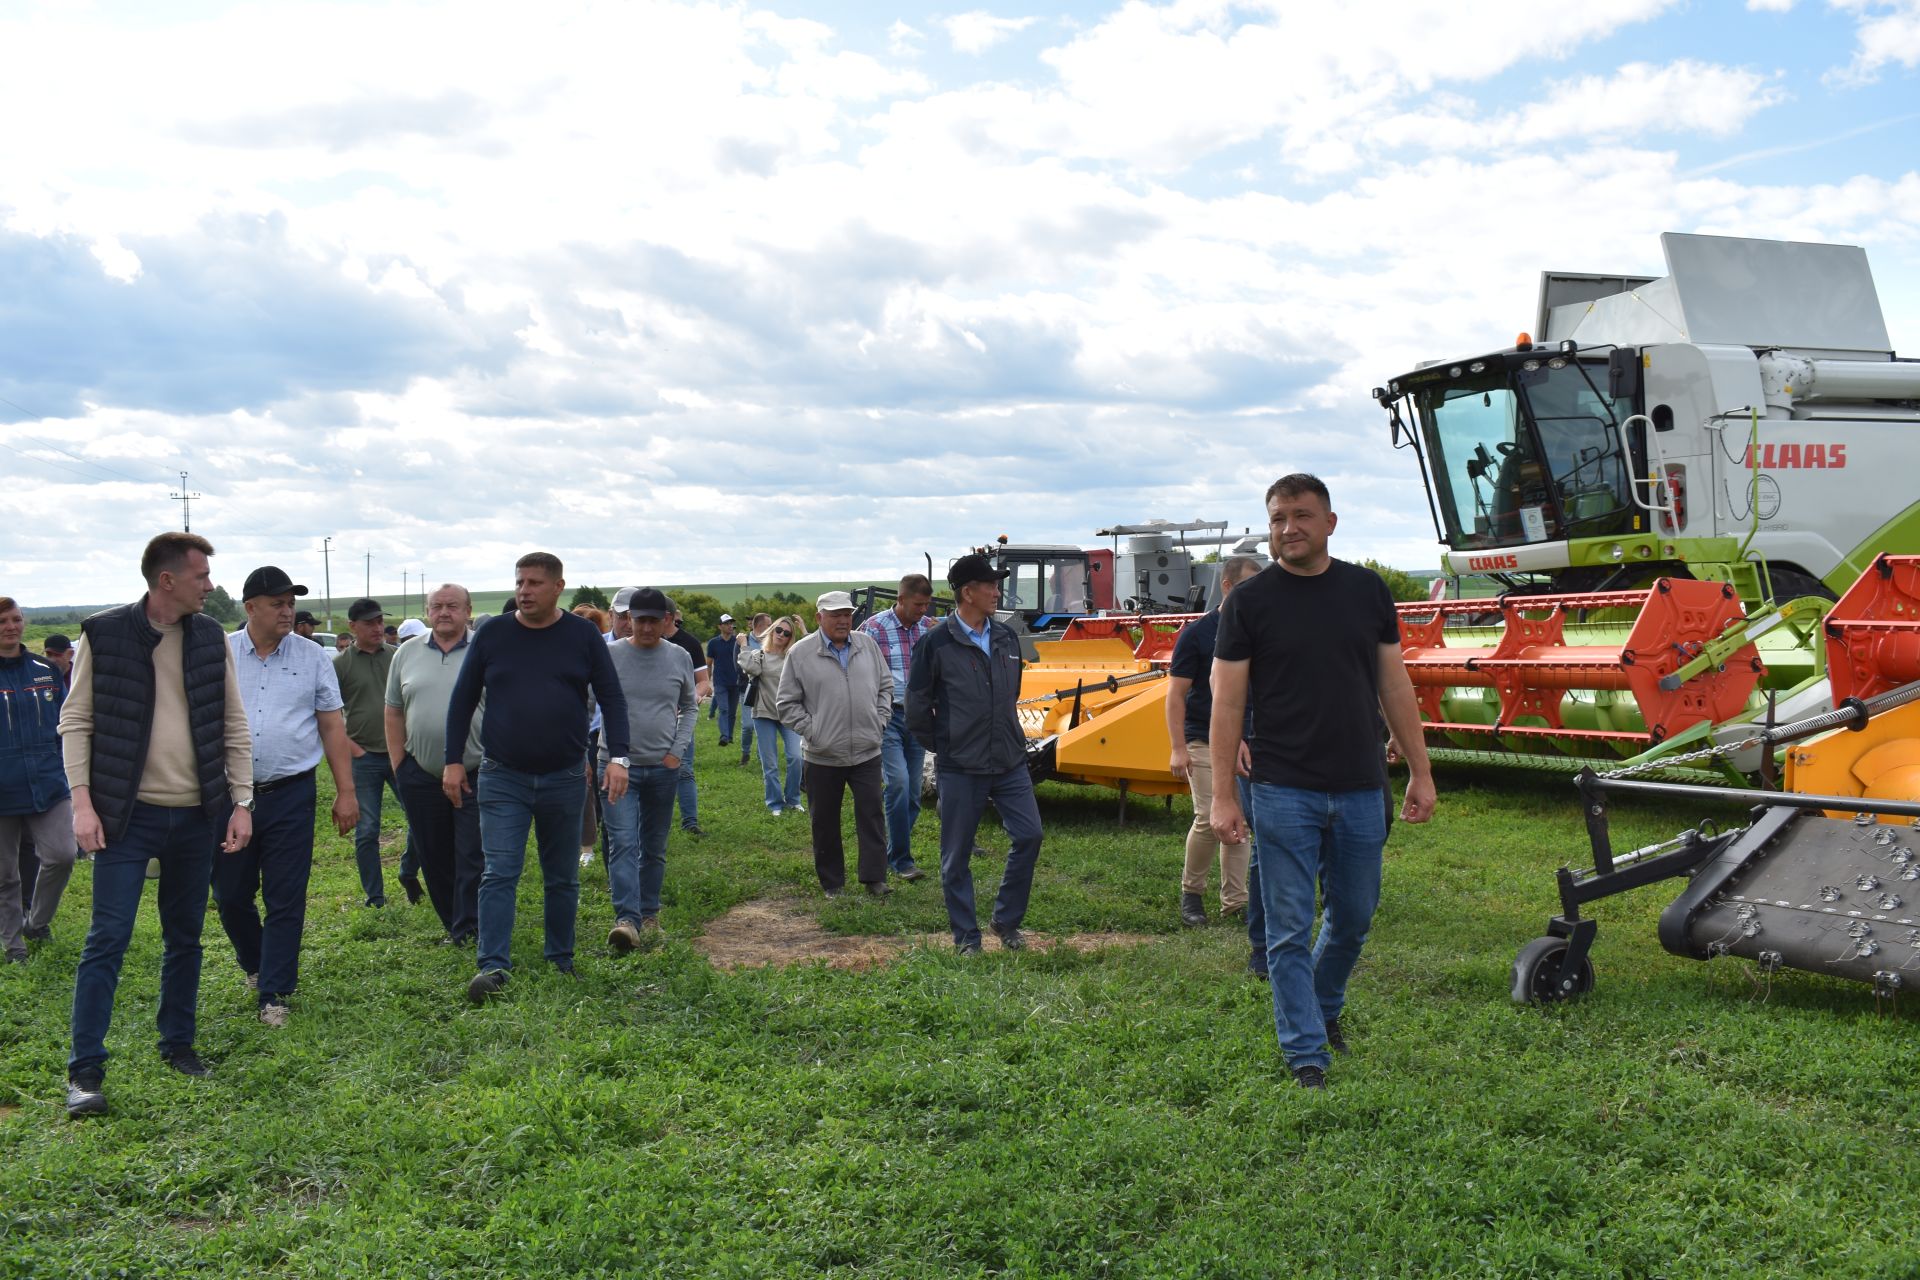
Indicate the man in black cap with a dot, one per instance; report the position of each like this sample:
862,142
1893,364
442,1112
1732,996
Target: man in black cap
962,701
303,625
362,670
294,711
58,650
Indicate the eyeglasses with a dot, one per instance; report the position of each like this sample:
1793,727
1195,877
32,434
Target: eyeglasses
783,632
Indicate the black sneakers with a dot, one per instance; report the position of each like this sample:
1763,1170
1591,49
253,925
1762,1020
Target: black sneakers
84,1096
1011,939
1192,913
1310,1077
414,892
1335,1041
186,1062
486,985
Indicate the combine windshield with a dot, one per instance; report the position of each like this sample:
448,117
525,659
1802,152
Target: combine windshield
1046,586
1525,455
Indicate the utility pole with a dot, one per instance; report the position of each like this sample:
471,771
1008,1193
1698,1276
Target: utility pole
326,561
403,595
185,499
369,573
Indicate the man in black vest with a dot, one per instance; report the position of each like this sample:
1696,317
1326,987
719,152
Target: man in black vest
160,761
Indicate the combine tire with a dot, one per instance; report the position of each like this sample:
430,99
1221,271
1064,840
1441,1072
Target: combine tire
1536,974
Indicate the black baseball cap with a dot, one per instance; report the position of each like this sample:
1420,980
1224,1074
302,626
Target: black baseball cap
270,580
306,617
56,643
363,608
649,602
974,568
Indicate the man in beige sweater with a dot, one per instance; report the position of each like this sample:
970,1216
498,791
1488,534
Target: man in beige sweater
160,761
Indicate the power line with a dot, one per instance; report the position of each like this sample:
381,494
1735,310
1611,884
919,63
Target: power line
185,498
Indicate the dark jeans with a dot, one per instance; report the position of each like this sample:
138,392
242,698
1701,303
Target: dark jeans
512,803
449,841
183,840
963,798
749,740
726,703
688,794
903,760
276,864
372,779
827,785
637,829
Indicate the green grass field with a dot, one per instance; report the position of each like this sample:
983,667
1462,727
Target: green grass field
1117,1113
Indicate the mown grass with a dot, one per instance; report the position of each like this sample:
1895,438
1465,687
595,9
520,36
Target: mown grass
1115,1114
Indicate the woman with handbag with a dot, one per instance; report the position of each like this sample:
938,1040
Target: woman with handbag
763,668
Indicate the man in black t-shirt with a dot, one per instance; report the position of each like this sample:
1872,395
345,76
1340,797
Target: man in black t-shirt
1315,643
686,794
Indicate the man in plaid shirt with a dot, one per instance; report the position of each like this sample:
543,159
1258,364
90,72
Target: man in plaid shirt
901,756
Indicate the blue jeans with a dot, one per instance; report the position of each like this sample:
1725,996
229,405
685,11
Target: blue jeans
183,840
550,804
771,734
277,865
726,705
1303,840
1256,909
637,827
687,794
371,772
748,737
903,760
963,798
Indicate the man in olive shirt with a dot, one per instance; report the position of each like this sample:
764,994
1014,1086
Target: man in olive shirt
418,689
362,670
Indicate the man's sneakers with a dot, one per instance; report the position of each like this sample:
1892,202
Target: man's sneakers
1192,912
1011,939
274,1014
84,1094
186,1062
43,934
912,874
1335,1041
796,808
586,855
252,981
486,984
624,936
1310,1077
695,829
970,947
1257,966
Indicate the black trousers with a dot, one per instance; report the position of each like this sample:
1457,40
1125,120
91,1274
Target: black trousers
827,785
29,872
449,840
275,866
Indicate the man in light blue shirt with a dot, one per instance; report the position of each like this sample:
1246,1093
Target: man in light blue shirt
902,758
293,705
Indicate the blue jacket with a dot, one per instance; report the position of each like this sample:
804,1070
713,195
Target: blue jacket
32,778
964,706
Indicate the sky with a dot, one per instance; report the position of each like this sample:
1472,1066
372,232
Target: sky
723,292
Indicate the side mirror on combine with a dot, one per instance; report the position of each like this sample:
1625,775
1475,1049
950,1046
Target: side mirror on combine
1623,373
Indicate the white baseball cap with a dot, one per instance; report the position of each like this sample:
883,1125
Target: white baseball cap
622,598
832,600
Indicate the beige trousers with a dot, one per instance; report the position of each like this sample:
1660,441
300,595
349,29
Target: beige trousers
1202,844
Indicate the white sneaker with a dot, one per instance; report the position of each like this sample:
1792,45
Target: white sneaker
586,855
274,1015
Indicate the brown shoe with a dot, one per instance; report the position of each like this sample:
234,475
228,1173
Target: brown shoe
623,936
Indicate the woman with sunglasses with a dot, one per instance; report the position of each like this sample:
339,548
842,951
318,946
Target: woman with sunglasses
763,667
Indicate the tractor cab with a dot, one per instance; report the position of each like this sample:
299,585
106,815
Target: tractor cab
1522,446
1045,584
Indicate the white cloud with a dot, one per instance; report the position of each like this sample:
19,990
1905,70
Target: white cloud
904,41
1886,32
977,31
1770,6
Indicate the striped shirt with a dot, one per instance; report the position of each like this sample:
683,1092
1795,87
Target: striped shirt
896,642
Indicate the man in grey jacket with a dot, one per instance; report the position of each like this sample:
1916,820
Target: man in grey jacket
837,693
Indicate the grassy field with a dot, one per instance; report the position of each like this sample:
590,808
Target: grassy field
1116,1113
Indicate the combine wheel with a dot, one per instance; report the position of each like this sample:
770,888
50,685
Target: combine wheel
1536,974
1791,584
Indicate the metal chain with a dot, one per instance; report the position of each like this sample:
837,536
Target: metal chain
1689,757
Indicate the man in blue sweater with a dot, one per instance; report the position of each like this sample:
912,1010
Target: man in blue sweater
534,666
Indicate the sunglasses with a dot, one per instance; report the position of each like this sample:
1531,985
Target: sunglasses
782,631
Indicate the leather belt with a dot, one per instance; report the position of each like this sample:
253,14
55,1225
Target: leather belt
268,788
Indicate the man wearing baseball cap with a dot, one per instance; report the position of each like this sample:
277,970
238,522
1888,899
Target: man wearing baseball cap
962,704
723,660
622,623
294,711
837,694
304,623
362,670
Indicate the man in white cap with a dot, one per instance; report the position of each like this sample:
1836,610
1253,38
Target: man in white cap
837,693
723,661
622,623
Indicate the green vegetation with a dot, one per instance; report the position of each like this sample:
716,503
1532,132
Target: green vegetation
1118,1113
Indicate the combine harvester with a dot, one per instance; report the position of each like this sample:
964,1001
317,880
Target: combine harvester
1671,487
1825,876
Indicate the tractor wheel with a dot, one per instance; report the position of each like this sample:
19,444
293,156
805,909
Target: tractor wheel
1536,974
1791,584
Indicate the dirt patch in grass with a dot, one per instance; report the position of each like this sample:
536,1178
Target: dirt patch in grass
8,1111
782,931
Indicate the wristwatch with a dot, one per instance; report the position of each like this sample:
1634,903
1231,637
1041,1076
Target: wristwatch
622,761
246,804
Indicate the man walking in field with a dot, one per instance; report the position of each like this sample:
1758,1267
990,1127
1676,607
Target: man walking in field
902,758
34,800
1315,643
160,763
535,667
362,671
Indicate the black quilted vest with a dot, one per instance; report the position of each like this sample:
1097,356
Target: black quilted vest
122,642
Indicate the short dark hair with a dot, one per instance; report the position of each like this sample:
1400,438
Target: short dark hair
543,560
1239,568
1299,482
8,604
916,584
168,551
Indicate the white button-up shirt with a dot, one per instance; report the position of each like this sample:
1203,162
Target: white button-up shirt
282,693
